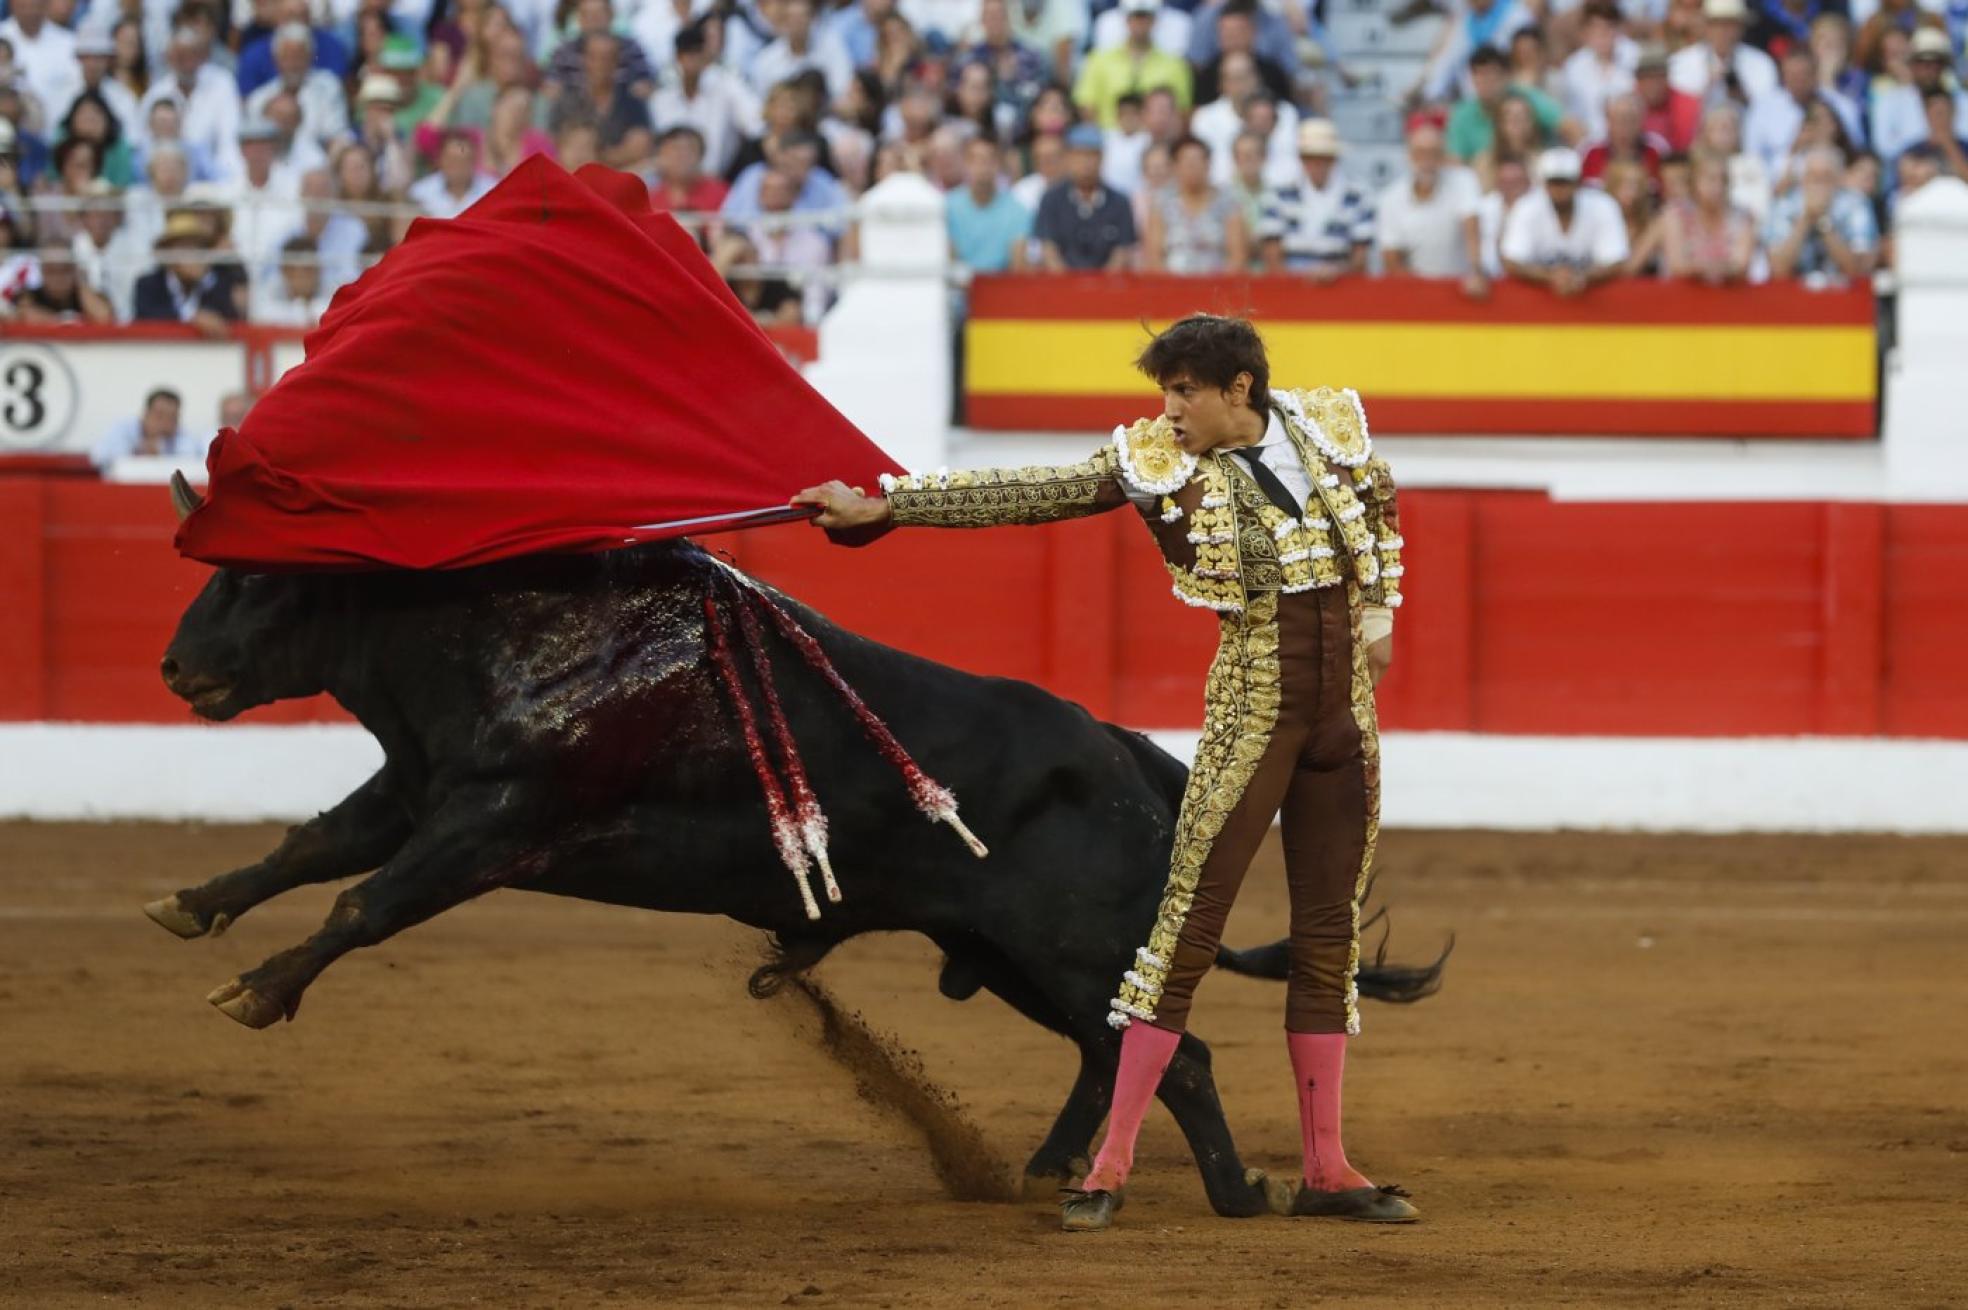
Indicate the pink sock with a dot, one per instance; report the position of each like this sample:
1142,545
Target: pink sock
1145,1054
1319,1061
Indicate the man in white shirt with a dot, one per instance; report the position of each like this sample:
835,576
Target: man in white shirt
1513,182
698,93
1048,168
457,184
1899,117
324,106
207,98
1219,123
263,198
1599,69
1771,125
1720,64
1564,236
1425,223
799,48
157,431
44,51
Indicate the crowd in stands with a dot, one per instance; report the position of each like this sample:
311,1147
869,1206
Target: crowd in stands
218,161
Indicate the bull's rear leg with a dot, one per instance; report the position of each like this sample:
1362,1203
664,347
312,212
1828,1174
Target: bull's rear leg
365,829
445,863
1188,1089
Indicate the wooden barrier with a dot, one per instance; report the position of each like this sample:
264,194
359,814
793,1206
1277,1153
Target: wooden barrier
1523,615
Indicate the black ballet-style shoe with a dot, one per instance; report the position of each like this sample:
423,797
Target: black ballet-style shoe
1367,1205
1084,1211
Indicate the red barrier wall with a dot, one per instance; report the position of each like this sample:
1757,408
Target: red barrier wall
1523,616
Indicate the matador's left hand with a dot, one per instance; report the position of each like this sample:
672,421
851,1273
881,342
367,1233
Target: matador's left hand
1379,655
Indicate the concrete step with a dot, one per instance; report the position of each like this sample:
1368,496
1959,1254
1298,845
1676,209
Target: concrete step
1363,122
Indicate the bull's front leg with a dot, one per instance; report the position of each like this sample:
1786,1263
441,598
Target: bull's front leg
1188,1089
1067,1153
359,834
458,854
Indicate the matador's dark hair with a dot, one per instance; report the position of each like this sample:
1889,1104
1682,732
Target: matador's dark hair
1213,351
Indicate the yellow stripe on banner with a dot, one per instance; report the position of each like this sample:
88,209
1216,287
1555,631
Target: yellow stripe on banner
1477,361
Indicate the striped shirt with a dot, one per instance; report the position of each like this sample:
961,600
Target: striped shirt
1317,225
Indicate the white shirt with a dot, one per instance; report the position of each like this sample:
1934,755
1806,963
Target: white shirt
724,111
126,435
1589,84
431,196
1429,231
655,27
1029,190
1533,236
324,106
263,217
47,60
210,114
950,17
1218,125
778,62
1692,69
274,307
1120,160
1489,230
1172,30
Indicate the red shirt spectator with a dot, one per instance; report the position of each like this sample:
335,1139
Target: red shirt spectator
1671,115
680,183
1626,138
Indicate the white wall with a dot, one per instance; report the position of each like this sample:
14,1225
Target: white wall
1432,780
60,396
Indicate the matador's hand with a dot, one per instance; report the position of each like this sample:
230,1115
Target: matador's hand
843,507
1379,655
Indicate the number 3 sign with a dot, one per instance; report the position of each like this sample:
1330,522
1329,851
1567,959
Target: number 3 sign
37,395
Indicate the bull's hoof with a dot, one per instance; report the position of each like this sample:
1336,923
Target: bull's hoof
1247,1201
238,1002
175,918
1046,1184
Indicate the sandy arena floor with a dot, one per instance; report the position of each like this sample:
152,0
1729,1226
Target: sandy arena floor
1664,1071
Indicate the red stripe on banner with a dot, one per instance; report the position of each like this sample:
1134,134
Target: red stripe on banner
1131,297
1395,415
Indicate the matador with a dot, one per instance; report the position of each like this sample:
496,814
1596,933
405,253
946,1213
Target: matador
1270,508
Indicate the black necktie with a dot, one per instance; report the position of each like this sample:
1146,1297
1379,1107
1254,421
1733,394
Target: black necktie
1269,483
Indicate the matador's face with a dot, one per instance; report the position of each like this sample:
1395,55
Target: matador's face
1204,416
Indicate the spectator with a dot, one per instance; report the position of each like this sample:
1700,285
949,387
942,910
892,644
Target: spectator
1721,64
187,286
1771,124
1904,17
457,184
156,432
1750,184
1048,158
898,55
1157,175
1626,181
1193,226
1899,111
95,52
1236,38
262,200
258,64
1249,156
1481,26
57,294
1220,122
1513,182
324,107
292,296
1170,33
1601,68
129,66
1819,231
467,102
621,118
163,189
54,207
1472,124
796,253
106,253
974,103
1707,238
1321,225
296,149
345,236
1126,142
90,119
1082,223
797,156
1530,63
1942,128
1274,37
943,22
207,101
1427,220
699,94
165,128
988,227
800,47
681,183
1055,28
1626,142
376,106
1831,42
566,70
577,143
44,52
1134,67
1019,70
654,25
1671,115
1563,236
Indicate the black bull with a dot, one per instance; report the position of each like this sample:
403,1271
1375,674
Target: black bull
554,725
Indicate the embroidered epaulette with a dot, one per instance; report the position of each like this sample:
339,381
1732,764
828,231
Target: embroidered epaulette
1334,420
1151,461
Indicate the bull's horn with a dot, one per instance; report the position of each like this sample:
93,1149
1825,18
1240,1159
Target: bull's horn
183,499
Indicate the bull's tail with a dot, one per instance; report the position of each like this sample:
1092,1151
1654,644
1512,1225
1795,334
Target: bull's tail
1378,981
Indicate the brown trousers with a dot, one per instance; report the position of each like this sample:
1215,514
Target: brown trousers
1313,775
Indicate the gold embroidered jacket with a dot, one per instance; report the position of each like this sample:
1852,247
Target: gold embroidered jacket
1222,540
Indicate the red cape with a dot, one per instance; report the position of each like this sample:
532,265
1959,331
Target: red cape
557,369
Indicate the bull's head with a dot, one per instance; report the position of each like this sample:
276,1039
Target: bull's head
248,639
